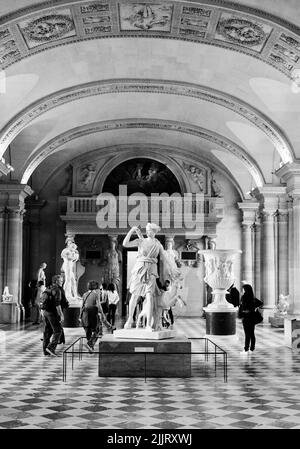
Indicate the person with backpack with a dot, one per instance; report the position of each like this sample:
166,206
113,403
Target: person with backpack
51,304
92,316
246,312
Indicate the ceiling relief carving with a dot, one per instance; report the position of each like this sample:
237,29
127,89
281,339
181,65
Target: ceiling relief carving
145,16
47,28
242,29
145,86
166,125
96,19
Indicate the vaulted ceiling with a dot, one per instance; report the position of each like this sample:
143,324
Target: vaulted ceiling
215,79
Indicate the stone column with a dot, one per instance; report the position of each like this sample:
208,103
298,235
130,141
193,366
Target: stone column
268,260
13,196
33,208
290,250
249,209
257,256
290,173
2,247
283,250
296,265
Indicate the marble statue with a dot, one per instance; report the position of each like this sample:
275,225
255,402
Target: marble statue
70,256
215,187
282,307
144,274
113,259
41,273
6,295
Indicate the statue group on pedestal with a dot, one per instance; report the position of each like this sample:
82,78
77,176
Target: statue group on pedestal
144,275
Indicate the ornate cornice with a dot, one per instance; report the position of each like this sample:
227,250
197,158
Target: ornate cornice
167,125
257,118
201,21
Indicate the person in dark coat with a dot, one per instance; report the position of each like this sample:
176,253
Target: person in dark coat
246,311
233,296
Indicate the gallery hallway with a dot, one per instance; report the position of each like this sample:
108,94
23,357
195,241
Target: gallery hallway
262,392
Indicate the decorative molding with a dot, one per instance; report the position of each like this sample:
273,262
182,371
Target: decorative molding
241,28
258,119
166,125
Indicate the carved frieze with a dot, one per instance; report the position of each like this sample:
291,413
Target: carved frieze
243,31
48,28
145,16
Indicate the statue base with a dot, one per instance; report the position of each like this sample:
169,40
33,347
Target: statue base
144,358
220,322
144,334
71,316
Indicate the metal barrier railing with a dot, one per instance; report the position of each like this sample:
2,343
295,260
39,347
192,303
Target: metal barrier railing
216,351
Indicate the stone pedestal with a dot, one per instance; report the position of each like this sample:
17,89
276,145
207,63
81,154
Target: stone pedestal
276,321
221,322
144,334
126,358
292,332
9,312
71,316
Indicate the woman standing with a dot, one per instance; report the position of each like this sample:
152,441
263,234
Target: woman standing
246,311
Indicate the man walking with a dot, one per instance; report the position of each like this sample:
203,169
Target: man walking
53,315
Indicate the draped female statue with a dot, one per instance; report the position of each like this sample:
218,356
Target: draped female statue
144,274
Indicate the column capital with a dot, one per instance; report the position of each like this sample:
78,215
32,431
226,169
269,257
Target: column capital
12,195
290,174
249,209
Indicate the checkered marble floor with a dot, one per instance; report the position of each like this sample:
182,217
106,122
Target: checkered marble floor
262,392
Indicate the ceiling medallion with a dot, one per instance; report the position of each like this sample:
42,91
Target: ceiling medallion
49,27
241,31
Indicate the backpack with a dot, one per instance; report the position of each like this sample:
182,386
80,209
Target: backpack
47,300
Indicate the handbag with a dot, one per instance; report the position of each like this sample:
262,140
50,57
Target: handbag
257,317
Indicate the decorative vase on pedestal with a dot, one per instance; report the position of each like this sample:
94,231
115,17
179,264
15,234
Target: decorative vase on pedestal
220,314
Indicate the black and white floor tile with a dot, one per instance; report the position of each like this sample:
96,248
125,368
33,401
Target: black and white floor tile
262,391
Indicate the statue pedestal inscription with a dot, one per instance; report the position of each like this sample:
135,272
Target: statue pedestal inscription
137,358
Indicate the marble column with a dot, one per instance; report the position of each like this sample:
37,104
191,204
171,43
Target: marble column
247,261
12,198
296,253
268,260
290,174
283,250
249,209
2,246
257,257
291,250
33,208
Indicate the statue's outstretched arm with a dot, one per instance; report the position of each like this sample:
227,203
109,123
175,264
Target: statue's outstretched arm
130,244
